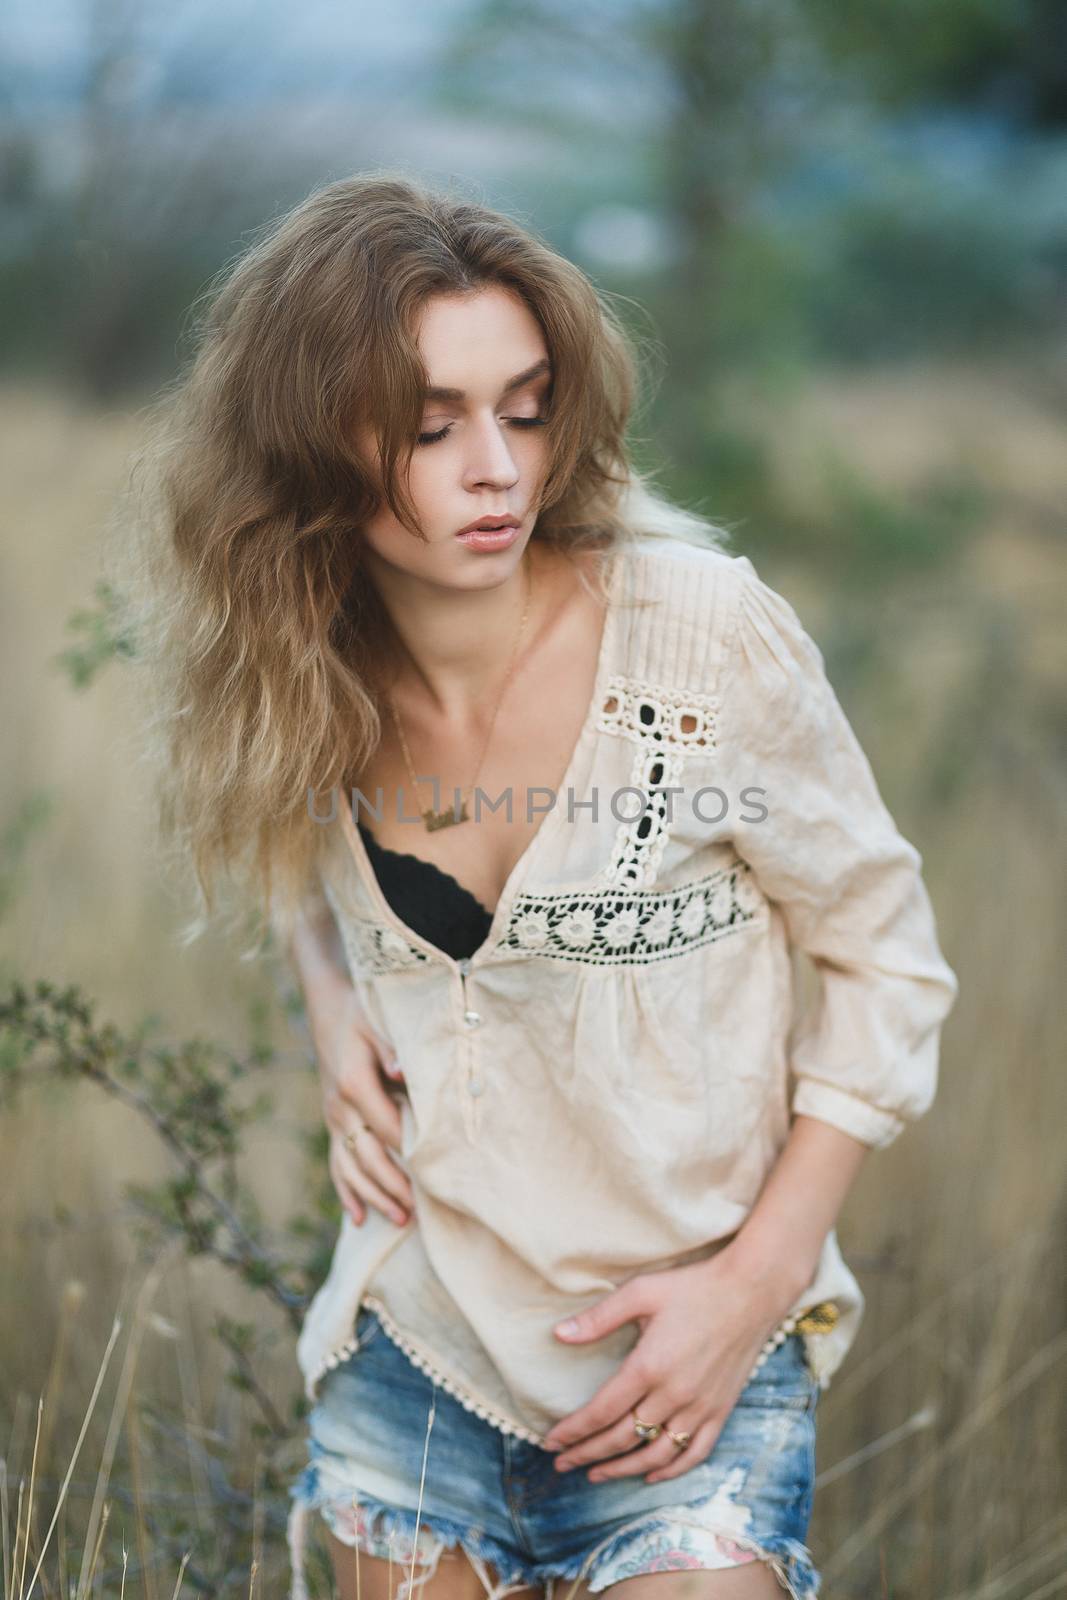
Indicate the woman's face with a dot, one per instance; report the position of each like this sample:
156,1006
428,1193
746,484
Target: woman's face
481,450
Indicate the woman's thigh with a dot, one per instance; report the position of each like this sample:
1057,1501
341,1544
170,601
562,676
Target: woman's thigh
753,1582
362,1577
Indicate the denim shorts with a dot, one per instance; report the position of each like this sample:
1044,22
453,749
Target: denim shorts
373,1446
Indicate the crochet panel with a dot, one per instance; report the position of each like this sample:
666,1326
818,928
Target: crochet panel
680,718
372,949
664,726
634,927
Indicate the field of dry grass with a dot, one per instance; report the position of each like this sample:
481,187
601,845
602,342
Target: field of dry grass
942,1453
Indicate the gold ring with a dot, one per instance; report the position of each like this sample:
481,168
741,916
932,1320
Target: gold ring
349,1139
680,1439
646,1430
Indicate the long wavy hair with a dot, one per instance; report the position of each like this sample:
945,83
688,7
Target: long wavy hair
253,619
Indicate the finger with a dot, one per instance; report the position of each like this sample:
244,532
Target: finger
345,1121
351,1166
347,1195
611,1441
654,1455
612,1402
661,1453
623,1440
631,1302
364,1185
391,1067
377,1163
371,1103
700,1447
380,1111
352,1204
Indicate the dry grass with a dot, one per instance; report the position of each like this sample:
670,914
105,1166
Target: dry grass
941,1451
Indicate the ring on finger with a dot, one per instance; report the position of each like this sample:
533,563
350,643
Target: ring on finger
680,1439
349,1139
646,1430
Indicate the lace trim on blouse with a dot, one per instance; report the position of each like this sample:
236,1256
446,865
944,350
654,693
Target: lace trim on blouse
809,1324
664,725
425,1364
634,927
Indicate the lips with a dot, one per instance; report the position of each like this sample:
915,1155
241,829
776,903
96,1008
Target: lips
489,525
490,538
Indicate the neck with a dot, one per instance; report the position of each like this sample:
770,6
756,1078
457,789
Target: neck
450,645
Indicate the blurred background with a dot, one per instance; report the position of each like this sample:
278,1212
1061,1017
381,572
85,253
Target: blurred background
841,232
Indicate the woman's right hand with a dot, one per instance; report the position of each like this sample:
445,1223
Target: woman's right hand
362,1117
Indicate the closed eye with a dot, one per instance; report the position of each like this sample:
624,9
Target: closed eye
516,422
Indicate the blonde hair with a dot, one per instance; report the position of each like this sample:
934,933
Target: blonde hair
253,619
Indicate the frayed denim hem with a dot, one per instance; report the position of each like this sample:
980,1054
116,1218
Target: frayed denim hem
411,1540
399,1534
789,1560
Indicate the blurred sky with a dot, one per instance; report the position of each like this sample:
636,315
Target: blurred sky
47,46
326,88
140,142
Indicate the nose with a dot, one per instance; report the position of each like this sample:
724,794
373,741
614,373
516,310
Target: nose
490,460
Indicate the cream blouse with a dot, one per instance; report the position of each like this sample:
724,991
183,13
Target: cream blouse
604,1086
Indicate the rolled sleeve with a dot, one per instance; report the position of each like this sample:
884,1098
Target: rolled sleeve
865,1055
869,1123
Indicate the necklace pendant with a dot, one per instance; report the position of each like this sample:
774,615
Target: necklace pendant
444,819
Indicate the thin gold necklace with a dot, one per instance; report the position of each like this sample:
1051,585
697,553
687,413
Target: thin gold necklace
448,818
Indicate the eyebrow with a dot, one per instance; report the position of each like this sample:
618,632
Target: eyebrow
517,382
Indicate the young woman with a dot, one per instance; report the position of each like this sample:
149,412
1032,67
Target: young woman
543,788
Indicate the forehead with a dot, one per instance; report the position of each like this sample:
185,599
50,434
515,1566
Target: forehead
479,343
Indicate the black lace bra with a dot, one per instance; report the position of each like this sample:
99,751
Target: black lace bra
428,900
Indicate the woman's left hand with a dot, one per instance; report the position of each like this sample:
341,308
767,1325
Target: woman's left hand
703,1325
